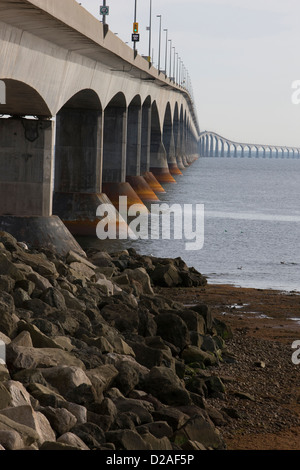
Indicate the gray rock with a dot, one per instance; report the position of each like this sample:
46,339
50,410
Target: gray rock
91,434
39,339
166,276
164,384
20,357
26,416
162,443
79,411
193,354
73,257
71,439
194,321
27,434
173,329
140,408
8,268
53,297
10,440
17,393
158,429
38,262
23,339
40,281
61,419
127,378
201,430
20,296
6,283
45,395
7,310
102,377
65,378
127,440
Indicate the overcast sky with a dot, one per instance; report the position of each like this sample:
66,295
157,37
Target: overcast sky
242,57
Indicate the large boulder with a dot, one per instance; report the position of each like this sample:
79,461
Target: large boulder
26,416
20,357
164,384
166,276
202,430
64,378
173,329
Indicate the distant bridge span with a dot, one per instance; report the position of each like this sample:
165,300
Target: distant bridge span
212,144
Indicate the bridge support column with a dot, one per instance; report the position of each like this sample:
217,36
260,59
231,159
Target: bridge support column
114,153
159,164
26,159
149,178
171,156
133,156
78,166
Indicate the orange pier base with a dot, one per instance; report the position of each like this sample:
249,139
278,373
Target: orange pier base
153,183
142,188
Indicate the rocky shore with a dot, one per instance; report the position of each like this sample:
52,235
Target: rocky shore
97,359
127,352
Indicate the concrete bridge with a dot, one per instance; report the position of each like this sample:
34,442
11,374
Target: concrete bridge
214,145
85,119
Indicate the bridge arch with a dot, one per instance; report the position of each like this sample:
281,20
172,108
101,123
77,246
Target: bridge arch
26,152
23,99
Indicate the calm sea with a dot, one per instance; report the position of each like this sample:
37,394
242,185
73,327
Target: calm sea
251,223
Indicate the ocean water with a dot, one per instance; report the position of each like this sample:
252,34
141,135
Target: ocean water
251,222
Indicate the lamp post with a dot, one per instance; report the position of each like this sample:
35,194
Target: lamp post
159,16
150,33
174,64
170,72
134,44
104,16
166,53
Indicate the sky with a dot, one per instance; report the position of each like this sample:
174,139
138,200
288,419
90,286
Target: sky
242,57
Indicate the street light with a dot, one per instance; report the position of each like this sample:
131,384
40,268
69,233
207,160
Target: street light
166,54
174,64
104,16
134,43
170,73
159,16
150,32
